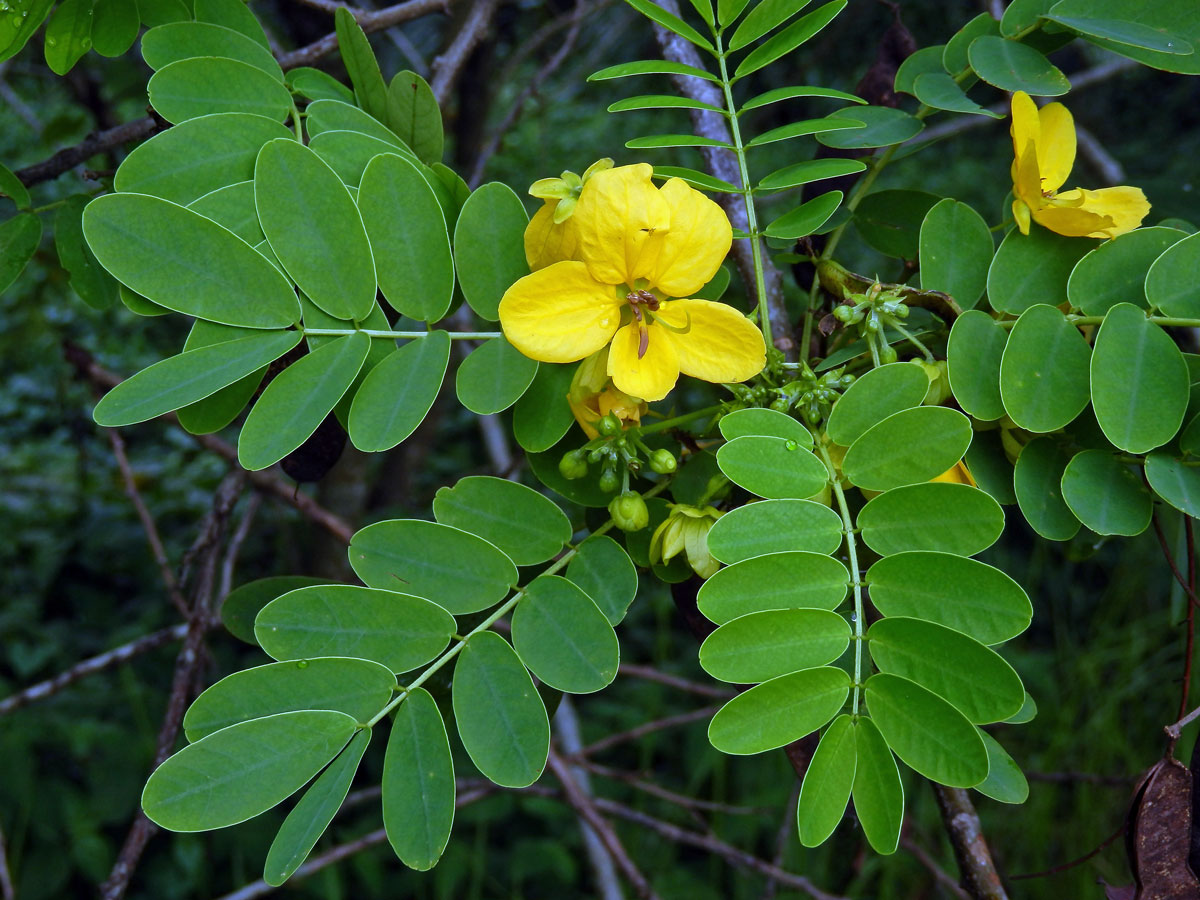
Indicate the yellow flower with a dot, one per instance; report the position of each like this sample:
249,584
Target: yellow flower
685,530
637,247
551,235
592,396
1044,152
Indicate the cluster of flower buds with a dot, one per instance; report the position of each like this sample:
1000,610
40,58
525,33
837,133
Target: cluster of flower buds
620,452
810,394
871,313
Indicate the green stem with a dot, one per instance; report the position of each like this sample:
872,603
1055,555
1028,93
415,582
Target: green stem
296,123
855,578
504,609
680,420
371,332
747,192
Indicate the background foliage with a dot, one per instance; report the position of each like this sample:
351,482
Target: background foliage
1103,655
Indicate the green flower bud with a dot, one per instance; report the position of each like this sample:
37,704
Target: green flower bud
609,425
887,354
609,481
595,456
573,465
780,404
663,462
629,511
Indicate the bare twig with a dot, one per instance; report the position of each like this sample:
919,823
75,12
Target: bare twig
585,807
6,886
723,164
184,676
575,20
624,737
1073,863
783,837
715,846
649,673
566,730
376,20
91,666
99,142
262,481
1106,165
649,787
979,874
147,520
235,548
447,67
944,878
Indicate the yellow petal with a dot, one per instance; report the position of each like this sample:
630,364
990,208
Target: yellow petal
696,245
1072,221
1020,213
721,345
546,242
1027,181
559,313
957,474
653,375
1055,145
1125,205
1026,126
621,219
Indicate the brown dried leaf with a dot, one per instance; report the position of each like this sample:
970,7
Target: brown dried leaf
1161,835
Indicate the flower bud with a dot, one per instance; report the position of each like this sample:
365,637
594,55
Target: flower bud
609,480
780,404
573,465
629,511
663,462
887,354
608,425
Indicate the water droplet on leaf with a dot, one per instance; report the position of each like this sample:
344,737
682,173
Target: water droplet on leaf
302,664
791,445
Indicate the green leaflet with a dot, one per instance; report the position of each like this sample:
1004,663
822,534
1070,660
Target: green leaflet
190,376
827,783
185,262
806,218
232,14
238,772
955,251
341,115
779,711
413,114
315,229
313,84
397,630
890,221
762,421
973,355
772,467
68,35
357,687
1175,482
1139,381
527,526
939,90
1105,494
541,417
795,580
1044,380
878,793
1115,272
971,677
458,571
115,25
773,526
927,733
1170,283
789,39
765,16
408,237
91,282
954,57
203,85
563,637
873,397
764,645
1005,781
1033,268
671,22
882,126
1037,482
19,239
232,207
808,172
418,783
298,400
361,65
952,518
243,603
926,61
908,447
489,249
198,156
494,377
1015,67
398,393
310,817
501,719
606,574
964,594
170,43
